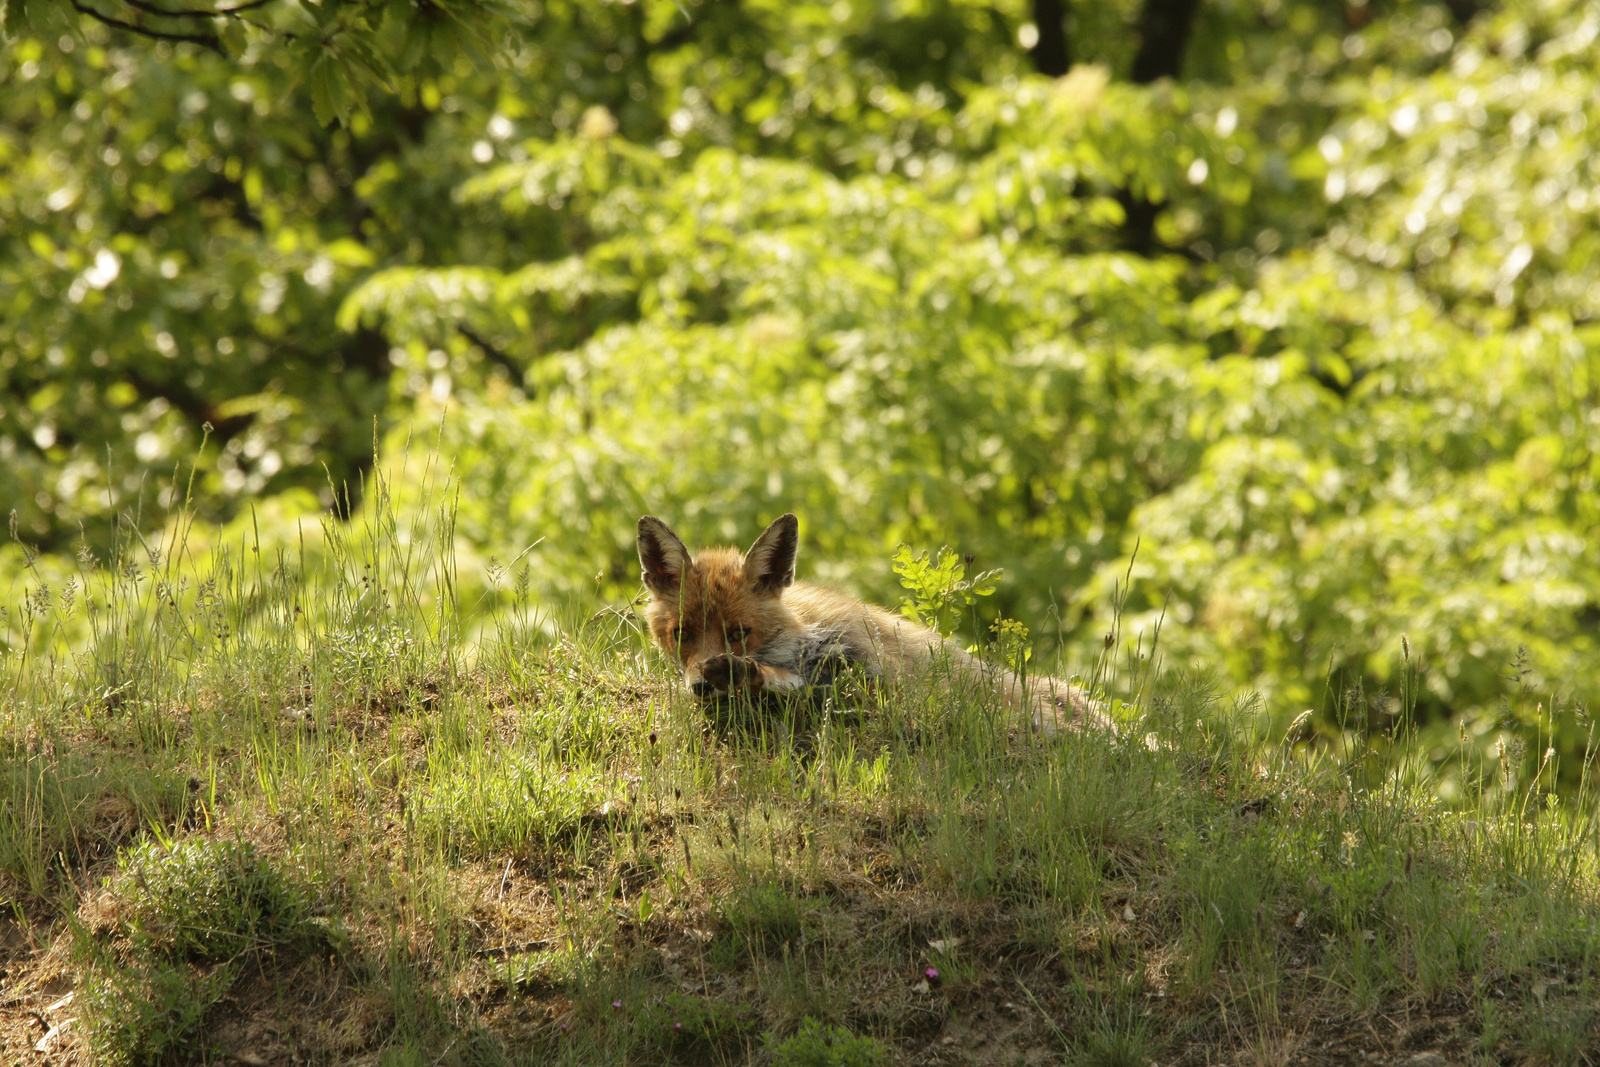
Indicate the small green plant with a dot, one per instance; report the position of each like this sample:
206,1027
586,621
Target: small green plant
764,916
1011,641
680,1024
483,802
187,915
151,1012
1115,1036
1558,1034
1491,1020
1230,889
527,972
940,588
817,1044
1452,936
213,901
366,660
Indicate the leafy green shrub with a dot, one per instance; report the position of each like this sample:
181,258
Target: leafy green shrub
211,901
187,915
820,1045
150,1012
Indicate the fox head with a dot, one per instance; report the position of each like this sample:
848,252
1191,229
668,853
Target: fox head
718,606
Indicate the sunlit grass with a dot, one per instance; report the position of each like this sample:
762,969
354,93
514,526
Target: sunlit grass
328,783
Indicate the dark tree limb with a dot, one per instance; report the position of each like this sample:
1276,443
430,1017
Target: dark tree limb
161,12
205,40
1342,390
1051,55
198,410
1164,27
496,356
1463,11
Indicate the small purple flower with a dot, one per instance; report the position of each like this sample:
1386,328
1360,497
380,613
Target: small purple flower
616,1003
931,974
652,737
677,1026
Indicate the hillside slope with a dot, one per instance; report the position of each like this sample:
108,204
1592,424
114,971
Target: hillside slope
275,805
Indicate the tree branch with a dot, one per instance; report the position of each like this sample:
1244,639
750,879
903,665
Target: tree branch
496,356
197,409
205,40
152,9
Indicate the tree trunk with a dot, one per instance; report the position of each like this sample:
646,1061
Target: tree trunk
1050,54
1164,27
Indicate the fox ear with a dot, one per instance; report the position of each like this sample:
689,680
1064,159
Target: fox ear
662,556
769,565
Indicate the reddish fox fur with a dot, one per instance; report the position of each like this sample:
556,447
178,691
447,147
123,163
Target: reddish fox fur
740,624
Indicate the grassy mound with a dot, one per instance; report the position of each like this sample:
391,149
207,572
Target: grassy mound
307,806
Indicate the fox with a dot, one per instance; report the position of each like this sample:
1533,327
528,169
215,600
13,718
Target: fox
738,624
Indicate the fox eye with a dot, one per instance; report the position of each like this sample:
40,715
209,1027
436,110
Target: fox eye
680,635
738,633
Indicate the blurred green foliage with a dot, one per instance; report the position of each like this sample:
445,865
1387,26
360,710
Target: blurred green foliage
1313,323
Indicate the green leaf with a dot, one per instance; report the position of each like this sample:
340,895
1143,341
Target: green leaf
329,100
231,32
43,17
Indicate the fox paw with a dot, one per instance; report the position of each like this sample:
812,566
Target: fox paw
727,674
